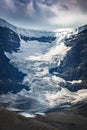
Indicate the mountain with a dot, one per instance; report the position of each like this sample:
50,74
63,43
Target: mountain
5,24
10,77
25,33
74,65
83,28
42,71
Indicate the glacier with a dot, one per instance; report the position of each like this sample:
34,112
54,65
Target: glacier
35,59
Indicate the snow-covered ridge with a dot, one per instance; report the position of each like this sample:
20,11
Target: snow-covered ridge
82,28
25,32
29,32
4,23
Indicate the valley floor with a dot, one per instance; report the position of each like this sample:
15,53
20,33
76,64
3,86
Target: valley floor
71,119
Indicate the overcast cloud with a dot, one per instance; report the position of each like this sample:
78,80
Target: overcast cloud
45,13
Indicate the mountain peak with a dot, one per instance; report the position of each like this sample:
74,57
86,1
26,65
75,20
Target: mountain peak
82,28
4,23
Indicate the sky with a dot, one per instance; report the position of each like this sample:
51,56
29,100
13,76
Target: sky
44,14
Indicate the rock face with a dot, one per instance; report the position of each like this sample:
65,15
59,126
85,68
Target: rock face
74,65
10,77
39,39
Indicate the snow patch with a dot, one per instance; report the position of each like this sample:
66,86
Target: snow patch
27,115
75,81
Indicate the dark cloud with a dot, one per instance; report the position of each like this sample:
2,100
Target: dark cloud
83,5
23,1
48,2
56,13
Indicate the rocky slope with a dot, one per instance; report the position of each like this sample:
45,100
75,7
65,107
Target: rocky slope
71,119
10,77
74,65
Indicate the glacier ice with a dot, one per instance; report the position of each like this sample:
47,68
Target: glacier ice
35,59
